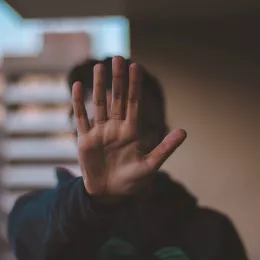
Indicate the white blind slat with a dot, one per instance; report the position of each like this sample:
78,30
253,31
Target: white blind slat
39,148
33,175
38,121
45,94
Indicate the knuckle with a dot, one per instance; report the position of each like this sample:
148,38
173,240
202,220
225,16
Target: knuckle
118,76
80,116
117,95
162,148
133,101
134,82
100,102
116,116
100,121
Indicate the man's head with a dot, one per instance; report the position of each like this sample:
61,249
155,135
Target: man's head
152,127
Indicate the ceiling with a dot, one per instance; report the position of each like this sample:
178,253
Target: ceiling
134,9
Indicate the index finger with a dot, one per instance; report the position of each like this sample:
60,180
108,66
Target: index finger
79,108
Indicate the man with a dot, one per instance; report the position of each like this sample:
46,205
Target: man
122,207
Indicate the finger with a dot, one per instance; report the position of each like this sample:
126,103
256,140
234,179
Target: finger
79,108
134,93
118,89
161,153
99,95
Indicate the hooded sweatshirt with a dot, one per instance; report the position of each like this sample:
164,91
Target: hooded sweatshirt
66,223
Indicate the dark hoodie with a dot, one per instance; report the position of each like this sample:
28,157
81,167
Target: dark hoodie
65,223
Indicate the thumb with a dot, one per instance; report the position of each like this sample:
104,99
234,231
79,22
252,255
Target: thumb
161,153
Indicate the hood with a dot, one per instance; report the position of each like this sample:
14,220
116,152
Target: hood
173,192
64,175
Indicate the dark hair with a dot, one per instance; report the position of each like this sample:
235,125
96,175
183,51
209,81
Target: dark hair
151,90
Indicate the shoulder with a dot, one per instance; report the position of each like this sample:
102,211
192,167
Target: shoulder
186,204
212,225
219,233
178,194
209,217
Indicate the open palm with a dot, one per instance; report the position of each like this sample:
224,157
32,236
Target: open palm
110,157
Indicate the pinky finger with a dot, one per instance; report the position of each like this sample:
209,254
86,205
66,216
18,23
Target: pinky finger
79,109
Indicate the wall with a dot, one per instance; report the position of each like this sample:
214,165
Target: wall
210,74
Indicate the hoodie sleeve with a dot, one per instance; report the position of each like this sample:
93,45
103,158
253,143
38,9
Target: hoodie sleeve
43,225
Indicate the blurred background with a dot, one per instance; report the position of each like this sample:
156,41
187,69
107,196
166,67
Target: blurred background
206,55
